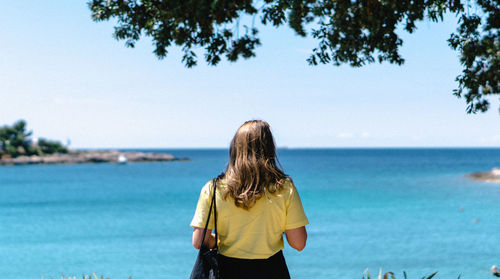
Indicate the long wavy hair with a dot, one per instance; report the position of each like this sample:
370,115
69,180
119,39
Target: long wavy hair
253,166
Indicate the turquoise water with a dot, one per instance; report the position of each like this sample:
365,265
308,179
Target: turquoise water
398,209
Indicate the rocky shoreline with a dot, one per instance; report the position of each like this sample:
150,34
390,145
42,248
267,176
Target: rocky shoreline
92,156
487,176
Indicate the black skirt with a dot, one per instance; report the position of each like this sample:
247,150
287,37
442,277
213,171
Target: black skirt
273,267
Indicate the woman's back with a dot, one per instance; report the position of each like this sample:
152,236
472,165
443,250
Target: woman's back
255,233
256,203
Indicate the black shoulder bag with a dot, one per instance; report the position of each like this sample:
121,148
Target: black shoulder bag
207,265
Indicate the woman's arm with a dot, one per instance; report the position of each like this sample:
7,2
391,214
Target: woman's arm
209,238
295,237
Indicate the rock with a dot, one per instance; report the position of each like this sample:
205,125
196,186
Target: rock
92,156
495,271
488,176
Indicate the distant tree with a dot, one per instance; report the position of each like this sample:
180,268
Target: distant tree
3,141
50,147
15,140
21,137
354,32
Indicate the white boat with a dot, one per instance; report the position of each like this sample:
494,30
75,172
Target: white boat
121,159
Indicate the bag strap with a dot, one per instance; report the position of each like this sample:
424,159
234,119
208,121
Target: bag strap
212,203
215,214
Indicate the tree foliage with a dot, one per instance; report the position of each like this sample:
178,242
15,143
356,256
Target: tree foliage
354,32
50,147
16,140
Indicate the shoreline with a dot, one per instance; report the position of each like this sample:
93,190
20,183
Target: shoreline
492,176
90,156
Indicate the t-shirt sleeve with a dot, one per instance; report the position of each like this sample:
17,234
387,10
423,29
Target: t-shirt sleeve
202,208
295,215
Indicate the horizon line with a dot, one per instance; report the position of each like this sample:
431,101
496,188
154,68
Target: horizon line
298,147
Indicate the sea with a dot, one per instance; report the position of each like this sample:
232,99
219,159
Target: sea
407,210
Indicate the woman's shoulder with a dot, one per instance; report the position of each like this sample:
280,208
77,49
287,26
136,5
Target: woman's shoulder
287,186
209,185
287,182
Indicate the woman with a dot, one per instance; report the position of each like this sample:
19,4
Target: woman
256,204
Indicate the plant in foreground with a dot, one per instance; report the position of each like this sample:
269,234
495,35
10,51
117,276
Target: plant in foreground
90,276
387,275
390,275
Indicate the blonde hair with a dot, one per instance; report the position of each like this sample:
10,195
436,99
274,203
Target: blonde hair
253,166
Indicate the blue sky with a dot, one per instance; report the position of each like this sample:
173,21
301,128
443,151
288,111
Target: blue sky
67,76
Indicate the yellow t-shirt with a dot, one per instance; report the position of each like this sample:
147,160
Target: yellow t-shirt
256,233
